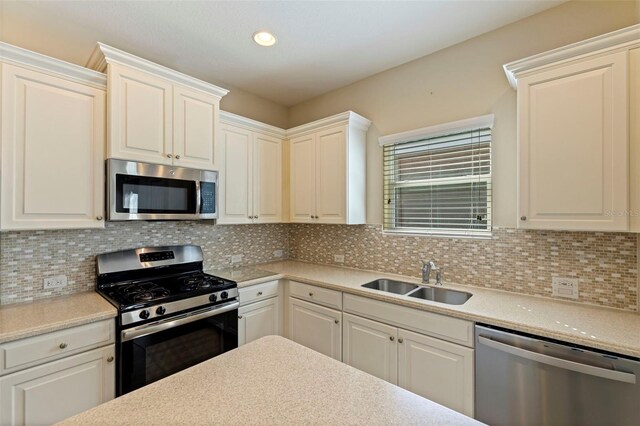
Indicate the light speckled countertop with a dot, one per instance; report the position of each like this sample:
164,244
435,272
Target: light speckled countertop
30,319
603,328
271,381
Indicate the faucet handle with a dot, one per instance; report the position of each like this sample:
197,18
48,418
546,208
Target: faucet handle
438,275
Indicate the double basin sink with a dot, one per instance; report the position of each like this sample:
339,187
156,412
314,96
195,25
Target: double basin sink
435,294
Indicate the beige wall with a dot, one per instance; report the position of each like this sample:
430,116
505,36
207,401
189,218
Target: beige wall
249,105
463,81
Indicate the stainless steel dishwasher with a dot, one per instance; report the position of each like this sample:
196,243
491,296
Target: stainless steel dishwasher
526,380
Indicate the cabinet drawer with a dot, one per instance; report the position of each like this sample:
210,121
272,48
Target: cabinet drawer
38,349
319,295
258,292
436,325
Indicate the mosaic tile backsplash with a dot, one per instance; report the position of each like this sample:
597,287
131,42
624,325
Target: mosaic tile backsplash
27,257
513,260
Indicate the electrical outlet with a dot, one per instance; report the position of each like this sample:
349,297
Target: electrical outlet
565,287
278,253
338,258
55,282
236,258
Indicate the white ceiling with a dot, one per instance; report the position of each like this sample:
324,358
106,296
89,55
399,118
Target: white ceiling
321,45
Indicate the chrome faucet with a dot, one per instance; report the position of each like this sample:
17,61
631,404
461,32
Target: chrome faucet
427,267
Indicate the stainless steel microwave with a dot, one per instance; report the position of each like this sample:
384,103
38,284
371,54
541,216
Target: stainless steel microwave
144,191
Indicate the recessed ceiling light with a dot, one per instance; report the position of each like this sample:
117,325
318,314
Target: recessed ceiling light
264,38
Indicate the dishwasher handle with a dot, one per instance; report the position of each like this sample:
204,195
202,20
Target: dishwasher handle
559,362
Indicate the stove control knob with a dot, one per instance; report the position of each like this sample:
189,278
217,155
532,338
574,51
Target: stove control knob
213,297
223,295
161,310
144,314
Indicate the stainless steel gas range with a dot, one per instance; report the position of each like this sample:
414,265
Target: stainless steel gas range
171,315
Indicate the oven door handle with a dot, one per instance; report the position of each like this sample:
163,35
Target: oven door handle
147,329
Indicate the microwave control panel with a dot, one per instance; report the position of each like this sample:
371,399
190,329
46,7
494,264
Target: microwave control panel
207,197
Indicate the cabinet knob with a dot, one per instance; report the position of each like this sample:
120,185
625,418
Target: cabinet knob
110,359
523,218
392,338
310,294
98,217
177,156
316,217
255,217
259,293
312,217
239,316
250,217
400,340
62,345
336,321
169,156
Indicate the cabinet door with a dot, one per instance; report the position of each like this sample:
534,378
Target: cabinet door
267,179
303,179
573,143
236,176
316,327
331,170
370,346
195,123
437,370
53,136
52,392
258,320
140,116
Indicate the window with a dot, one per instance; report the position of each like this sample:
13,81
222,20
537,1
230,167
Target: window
439,180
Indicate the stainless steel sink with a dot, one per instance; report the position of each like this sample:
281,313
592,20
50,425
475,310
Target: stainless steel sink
442,295
391,286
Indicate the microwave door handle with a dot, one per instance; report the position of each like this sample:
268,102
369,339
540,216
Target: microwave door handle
198,198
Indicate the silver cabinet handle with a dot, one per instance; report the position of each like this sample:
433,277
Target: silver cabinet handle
239,316
336,321
110,359
255,217
523,218
169,156
98,217
392,338
177,156
62,345
400,340
605,373
259,293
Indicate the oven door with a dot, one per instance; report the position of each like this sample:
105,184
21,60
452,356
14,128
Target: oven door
156,350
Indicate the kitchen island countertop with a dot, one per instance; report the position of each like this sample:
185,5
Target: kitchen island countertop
271,381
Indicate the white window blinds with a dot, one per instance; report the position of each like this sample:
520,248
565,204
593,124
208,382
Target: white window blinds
440,184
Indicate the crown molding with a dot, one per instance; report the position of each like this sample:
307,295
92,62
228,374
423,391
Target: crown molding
625,38
350,118
480,122
104,55
249,124
19,56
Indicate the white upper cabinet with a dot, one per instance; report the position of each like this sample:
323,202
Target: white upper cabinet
573,135
140,119
156,114
52,142
251,171
328,170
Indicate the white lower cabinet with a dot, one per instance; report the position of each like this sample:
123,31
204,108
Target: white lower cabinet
316,327
56,390
257,320
370,346
437,370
